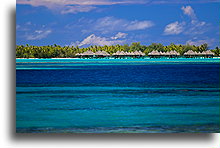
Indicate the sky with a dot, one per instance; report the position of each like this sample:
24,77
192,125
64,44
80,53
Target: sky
108,22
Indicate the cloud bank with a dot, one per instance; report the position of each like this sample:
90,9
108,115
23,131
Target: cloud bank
197,42
38,34
174,28
92,39
75,6
194,27
189,11
119,35
108,24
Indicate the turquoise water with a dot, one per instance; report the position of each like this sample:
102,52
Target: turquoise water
117,95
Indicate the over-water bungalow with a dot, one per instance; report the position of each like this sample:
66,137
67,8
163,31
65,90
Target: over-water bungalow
101,54
209,54
192,54
154,54
88,54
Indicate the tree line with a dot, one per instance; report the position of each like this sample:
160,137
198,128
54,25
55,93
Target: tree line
56,51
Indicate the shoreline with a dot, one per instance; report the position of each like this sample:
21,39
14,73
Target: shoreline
119,58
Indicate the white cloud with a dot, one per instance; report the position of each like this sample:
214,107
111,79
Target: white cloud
78,2
76,9
38,34
183,1
119,35
109,24
188,10
194,27
174,28
74,6
139,25
39,31
52,3
97,40
197,42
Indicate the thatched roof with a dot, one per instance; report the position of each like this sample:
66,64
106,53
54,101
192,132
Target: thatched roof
104,53
154,53
117,53
168,53
98,53
89,53
203,53
137,53
209,52
190,52
127,53
173,53
122,53
162,53
132,53
141,53
176,53
200,53
78,54
196,53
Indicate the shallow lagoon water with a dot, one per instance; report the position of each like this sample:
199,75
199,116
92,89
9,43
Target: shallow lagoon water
117,95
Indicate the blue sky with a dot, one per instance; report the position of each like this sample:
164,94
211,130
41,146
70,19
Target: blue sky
108,22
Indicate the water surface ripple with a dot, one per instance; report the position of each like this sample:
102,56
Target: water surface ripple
117,95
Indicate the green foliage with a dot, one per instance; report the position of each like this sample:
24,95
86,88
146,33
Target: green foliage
216,51
56,51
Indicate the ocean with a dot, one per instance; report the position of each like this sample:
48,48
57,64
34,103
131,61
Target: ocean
117,95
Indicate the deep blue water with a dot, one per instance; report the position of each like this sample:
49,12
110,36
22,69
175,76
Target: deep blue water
117,95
